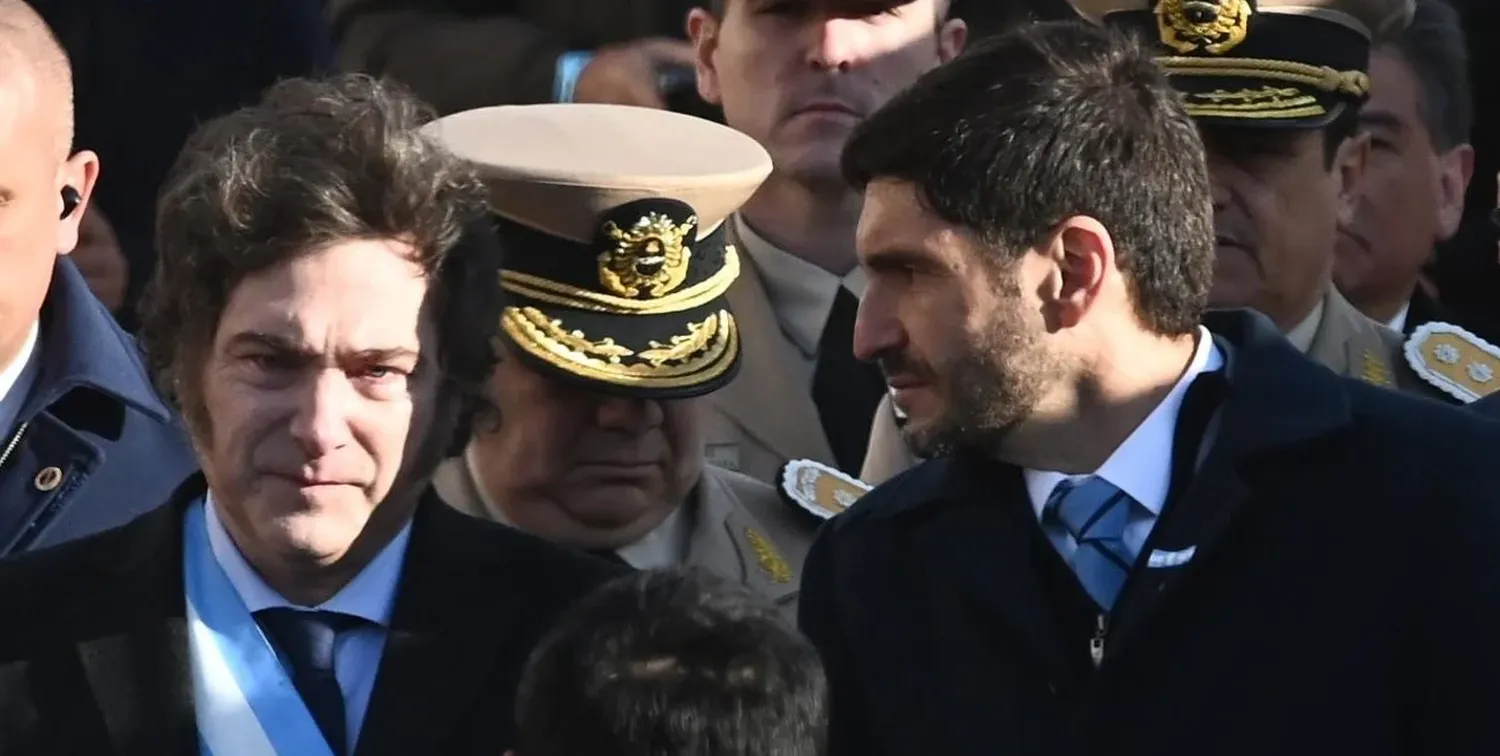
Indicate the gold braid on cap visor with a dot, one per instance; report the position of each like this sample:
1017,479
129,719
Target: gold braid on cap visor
697,295
701,355
1267,102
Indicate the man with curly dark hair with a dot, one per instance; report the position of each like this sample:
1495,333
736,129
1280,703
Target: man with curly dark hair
322,314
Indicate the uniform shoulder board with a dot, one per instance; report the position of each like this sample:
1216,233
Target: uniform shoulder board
818,488
1463,365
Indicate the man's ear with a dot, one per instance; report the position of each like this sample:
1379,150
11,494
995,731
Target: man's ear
953,34
1083,252
81,172
703,31
1349,170
1455,169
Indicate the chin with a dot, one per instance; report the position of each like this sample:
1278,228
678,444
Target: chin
616,506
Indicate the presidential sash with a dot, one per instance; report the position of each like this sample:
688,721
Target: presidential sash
245,703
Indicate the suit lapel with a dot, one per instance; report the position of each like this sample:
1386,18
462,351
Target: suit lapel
788,425
135,655
448,625
984,545
1275,401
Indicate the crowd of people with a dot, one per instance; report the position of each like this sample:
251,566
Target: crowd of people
765,377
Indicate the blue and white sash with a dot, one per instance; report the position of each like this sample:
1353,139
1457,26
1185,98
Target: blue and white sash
244,701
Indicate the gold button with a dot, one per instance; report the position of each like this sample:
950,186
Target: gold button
48,479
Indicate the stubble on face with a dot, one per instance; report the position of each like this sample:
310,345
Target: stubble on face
997,375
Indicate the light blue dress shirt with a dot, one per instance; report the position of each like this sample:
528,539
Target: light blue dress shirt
1141,466
371,595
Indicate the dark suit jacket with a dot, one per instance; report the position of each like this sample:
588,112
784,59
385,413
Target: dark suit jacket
94,656
1340,599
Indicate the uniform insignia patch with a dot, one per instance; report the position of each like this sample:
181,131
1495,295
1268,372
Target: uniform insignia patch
771,561
1374,370
1463,365
818,488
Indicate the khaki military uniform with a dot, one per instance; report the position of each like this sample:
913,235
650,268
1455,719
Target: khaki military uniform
1345,342
741,529
766,415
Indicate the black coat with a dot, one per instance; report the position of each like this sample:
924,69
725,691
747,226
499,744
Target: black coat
94,653
1342,598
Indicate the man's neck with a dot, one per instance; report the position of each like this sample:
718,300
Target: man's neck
1381,308
817,227
314,581
1098,412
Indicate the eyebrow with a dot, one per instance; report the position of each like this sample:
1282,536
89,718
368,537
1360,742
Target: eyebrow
281,343
1380,118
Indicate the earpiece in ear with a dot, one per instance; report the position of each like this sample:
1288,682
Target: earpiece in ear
71,200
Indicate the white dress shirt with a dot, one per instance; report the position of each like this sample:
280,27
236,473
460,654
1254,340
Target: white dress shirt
371,595
664,547
16,380
1398,323
1141,465
801,293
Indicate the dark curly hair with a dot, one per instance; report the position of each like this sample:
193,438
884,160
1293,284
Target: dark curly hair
318,161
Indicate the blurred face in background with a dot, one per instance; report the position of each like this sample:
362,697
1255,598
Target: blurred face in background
799,75
582,468
1410,198
1278,203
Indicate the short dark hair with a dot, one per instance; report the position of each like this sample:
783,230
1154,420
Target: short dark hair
1435,49
317,161
668,663
1047,121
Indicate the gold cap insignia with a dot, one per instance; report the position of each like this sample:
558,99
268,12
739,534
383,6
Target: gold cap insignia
771,562
648,259
1463,365
818,488
1213,26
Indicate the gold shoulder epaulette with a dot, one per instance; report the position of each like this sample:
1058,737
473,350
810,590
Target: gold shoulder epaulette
1463,365
818,488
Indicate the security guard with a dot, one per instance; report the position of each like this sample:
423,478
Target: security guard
615,325
1276,86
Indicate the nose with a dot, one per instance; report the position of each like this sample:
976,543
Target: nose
628,415
1218,184
838,44
321,422
876,331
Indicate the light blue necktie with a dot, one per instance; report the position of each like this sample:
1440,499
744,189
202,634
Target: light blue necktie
1094,512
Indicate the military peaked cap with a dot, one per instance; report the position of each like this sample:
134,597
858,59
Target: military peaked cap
612,221
1272,63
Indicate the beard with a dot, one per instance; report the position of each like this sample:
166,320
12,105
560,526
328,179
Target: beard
992,384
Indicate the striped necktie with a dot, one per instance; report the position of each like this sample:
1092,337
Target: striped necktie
1094,513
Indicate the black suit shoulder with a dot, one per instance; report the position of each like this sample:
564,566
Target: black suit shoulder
489,545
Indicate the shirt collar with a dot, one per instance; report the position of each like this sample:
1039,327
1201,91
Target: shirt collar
1303,333
371,595
1137,466
1398,323
801,293
16,379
